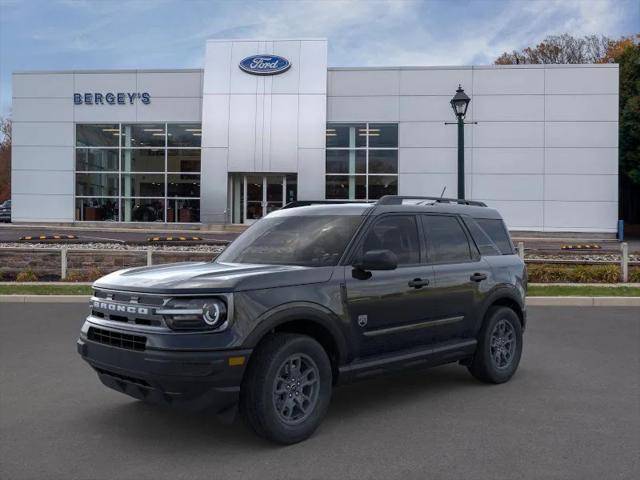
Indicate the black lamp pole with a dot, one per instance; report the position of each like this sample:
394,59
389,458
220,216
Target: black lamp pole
459,103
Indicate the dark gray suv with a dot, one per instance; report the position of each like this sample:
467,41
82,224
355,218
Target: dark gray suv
310,297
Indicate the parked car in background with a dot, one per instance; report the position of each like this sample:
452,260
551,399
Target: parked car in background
5,211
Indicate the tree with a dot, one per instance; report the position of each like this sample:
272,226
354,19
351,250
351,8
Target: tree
5,159
600,49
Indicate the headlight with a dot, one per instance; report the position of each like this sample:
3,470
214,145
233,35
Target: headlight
195,314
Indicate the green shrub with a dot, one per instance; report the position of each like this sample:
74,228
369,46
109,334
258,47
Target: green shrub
551,273
27,276
634,274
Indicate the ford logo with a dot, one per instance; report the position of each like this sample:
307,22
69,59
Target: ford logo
265,64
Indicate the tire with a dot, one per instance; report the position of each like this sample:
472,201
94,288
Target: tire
496,359
287,388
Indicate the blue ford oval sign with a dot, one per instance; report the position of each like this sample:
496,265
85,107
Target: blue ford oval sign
265,64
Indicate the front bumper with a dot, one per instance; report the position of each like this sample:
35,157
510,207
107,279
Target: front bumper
195,380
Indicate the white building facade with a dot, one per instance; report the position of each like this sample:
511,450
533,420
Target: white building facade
231,142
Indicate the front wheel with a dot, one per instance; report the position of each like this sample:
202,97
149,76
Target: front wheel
499,346
287,388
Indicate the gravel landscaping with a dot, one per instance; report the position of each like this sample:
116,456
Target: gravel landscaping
200,248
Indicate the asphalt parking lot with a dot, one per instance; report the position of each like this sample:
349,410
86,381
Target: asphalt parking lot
571,411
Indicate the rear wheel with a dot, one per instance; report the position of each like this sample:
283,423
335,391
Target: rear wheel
287,388
499,346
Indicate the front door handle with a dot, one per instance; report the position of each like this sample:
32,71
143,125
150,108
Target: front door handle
418,283
478,277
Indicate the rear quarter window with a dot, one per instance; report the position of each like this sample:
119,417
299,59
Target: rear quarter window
497,232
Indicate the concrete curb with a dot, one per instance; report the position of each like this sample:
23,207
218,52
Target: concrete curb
531,301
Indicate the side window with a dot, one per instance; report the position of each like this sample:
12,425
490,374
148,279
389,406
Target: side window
398,233
446,239
497,232
484,243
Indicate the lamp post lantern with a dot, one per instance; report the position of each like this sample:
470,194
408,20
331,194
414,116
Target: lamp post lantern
459,104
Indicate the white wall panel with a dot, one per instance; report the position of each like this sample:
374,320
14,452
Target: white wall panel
171,110
508,108
312,110
508,160
431,160
508,187
509,134
213,193
283,153
428,184
581,216
581,161
217,79
362,109
432,81
43,158
428,109
311,174
287,82
26,208
582,134
508,81
431,134
105,82
242,82
598,188
42,110
242,140
522,215
42,134
46,182
170,84
105,113
581,80
363,82
581,108
313,67
43,85
215,121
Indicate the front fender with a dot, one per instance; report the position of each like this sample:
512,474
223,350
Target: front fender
307,311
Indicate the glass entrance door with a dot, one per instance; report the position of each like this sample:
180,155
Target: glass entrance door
254,195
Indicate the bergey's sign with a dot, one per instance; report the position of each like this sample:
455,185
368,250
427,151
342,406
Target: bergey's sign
265,64
110,98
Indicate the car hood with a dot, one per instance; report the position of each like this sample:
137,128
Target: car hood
202,277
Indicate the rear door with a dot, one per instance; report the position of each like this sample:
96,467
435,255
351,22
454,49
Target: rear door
460,274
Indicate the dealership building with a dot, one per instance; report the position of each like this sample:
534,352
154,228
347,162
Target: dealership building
268,122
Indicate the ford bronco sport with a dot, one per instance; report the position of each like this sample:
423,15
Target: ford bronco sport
310,297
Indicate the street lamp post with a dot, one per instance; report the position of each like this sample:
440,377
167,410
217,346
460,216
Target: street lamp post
460,103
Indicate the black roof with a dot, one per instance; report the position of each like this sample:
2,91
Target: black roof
389,203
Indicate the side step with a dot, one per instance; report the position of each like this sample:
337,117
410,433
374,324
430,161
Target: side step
416,357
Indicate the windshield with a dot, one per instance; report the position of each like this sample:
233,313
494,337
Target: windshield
312,241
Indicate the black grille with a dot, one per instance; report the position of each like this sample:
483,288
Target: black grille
125,378
117,339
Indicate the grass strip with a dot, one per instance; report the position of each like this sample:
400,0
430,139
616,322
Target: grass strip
582,291
45,290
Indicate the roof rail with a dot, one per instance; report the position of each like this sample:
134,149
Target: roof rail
398,199
306,203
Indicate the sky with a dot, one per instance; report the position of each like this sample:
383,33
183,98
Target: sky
119,34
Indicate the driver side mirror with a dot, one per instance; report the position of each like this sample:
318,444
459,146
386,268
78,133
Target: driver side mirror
378,260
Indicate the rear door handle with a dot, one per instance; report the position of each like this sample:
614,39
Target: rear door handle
418,283
478,277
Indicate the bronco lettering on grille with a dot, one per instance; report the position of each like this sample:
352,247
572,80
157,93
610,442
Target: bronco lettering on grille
116,307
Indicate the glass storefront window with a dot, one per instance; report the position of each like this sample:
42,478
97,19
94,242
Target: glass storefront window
381,185
143,209
184,135
122,172
383,161
346,161
143,185
383,135
183,211
96,159
96,185
346,187
143,159
185,161
346,135
144,135
362,152
183,185
98,135
96,209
